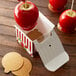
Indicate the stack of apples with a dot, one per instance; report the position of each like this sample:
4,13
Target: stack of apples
26,15
57,5
67,20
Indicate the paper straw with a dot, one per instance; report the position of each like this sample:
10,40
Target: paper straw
72,5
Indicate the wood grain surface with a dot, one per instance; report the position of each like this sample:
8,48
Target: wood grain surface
8,41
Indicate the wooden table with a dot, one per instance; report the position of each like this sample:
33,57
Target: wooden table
8,42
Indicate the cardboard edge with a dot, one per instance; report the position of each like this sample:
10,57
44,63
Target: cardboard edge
56,63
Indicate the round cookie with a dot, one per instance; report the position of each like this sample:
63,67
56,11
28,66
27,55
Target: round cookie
12,61
25,69
23,74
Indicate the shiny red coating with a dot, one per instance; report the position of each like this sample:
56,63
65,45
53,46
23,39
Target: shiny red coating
58,4
67,23
26,18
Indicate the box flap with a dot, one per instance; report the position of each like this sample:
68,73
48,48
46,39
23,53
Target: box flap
52,52
44,25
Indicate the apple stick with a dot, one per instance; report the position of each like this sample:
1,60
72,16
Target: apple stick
72,5
26,5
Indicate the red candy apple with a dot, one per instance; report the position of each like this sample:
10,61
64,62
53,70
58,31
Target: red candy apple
26,15
58,3
67,21
51,8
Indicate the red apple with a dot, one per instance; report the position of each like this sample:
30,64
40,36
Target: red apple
67,21
26,15
51,8
58,4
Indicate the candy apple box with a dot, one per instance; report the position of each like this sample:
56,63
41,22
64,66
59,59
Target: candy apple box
39,33
42,39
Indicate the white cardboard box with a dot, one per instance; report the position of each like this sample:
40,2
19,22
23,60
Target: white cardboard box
48,45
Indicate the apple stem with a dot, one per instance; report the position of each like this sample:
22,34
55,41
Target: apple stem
26,5
72,5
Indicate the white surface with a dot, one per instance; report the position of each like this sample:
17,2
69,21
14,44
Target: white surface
44,25
57,62
53,57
